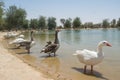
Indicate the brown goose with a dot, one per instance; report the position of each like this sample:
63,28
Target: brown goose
28,43
52,47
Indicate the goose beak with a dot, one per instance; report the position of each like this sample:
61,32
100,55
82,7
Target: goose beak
107,44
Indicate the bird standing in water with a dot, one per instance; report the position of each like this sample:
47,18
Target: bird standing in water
52,47
91,58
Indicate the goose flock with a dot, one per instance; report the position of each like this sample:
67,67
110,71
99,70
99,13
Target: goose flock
85,56
21,42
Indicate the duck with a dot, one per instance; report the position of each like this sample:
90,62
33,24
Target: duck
27,43
52,47
92,58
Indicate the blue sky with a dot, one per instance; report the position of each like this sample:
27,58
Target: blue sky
88,10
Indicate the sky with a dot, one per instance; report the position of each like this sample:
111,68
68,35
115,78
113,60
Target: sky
88,10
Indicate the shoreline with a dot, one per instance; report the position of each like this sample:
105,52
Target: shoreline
15,68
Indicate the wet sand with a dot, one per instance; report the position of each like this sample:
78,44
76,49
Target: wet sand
13,68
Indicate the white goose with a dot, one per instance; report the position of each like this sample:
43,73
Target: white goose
28,43
92,58
18,40
10,35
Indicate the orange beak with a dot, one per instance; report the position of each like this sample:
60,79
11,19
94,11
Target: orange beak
109,44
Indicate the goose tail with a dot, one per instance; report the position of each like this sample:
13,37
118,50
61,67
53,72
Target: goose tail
77,52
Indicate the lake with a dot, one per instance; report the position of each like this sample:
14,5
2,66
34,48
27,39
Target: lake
65,66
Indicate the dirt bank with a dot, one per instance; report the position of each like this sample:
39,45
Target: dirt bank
13,68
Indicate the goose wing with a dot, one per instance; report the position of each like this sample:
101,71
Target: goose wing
17,41
86,54
50,48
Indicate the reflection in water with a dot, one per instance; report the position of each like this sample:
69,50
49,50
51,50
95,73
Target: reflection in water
70,36
29,58
52,63
70,41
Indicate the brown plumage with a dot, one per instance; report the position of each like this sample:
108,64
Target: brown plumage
52,47
28,44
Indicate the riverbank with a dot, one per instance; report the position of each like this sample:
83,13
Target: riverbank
13,68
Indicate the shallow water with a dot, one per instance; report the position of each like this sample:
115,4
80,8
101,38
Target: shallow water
65,66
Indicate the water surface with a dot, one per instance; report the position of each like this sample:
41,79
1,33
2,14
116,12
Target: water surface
67,65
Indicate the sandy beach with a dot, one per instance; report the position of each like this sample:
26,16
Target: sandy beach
13,68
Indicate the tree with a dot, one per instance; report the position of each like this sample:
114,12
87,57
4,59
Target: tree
1,15
20,16
68,23
62,21
105,23
113,23
76,22
51,23
1,10
88,25
25,24
34,23
118,23
15,17
42,22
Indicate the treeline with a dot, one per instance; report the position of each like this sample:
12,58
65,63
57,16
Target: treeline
14,18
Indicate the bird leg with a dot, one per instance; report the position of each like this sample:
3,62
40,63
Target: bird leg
49,55
85,69
28,51
54,54
28,48
91,69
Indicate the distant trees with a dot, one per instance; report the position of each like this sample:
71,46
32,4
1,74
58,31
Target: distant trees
105,23
113,23
51,23
25,24
33,24
67,23
62,21
42,22
88,25
76,22
118,23
15,17
1,15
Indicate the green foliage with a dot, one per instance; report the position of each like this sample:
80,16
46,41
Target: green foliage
51,23
105,23
62,21
15,17
76,22
88,25
68,23
1,15
113,23
42,22
118,23
34,23
25,24
1,9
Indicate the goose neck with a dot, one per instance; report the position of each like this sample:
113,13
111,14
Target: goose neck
99,49
31,36
56,38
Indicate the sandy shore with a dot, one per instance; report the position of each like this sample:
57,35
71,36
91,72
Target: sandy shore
13,68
